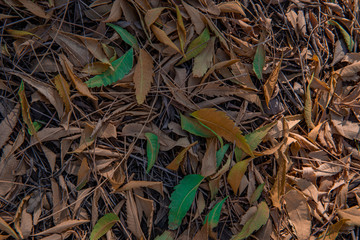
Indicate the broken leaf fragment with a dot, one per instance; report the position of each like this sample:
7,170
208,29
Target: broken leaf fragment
152,149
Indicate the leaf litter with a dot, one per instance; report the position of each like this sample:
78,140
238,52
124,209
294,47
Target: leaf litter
179,120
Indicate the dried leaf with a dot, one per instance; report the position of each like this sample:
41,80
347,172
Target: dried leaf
7,125
195,17
352,215
125,35
157,186
217,66
34,8
152,15
270,83
152,149
62,227
223,126
143,76
236,174
182,198
132,214
208,162
167,235
115,13
180,29
308,106
333,230
174,165
64,90
83,174
122,66
103,225
6,228
299,213
163,38
231,7
254,223
79,85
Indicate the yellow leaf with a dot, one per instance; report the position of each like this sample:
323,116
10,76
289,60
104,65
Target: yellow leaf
143,76
163,38
64,90
223,126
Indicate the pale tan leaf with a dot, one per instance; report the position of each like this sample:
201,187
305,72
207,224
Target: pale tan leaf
69,224
233,7
208,162
350,72
7,125
163,38
147,206
115,12
299,213
152,15
195,17
157,186
351,214
143,76
6,228
132,215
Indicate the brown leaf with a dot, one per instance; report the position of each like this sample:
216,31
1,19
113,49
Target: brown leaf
79,85
147,206
152,15
175,164
64,90
163,38
62,227
8,165
299,213
217,66
195,17
352,215
132,215
231,7
180,29
157,186
115,13
203,61
236,174
270,83
208,162
6,228
34,8
7,125
143,76
223,126
350,72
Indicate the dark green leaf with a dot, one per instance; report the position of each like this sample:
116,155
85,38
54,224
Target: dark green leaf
125,35
212,219
103,225
152,149
259,61
122,66
194,127
221,153
182,198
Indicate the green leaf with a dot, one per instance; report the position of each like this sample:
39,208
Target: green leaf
152,149
221,153
182,198
25,109
103,225
196,46
254,223
125,35
212,219
259,61
348,40
37,126
254,139
194,127
167,235
122,66
257,193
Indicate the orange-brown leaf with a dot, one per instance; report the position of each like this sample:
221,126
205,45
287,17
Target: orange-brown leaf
223,126
64,90
163,38
270,83
174,165
143,76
